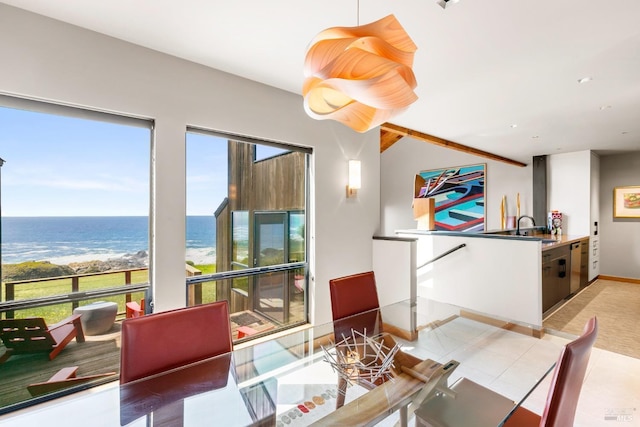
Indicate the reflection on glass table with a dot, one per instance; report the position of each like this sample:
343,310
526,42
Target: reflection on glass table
288,380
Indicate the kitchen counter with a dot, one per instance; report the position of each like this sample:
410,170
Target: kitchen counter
549,241
560,240
564,268
477,277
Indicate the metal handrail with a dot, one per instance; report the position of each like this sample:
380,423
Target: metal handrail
71,297
442,255
232,274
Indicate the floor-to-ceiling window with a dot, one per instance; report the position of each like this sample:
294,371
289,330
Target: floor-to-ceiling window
74,199
254,196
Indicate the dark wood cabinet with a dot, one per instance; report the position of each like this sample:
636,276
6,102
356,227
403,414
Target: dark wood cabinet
584,262
548,287
556,273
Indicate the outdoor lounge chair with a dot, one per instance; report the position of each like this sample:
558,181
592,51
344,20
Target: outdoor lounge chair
33,335
64,378
134,309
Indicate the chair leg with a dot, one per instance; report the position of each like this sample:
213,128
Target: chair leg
79,332
342,392
404,417
64,378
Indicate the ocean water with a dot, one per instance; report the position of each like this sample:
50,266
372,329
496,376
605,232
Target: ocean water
62,240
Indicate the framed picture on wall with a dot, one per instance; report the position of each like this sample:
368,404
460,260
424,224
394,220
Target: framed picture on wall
459,194
626,202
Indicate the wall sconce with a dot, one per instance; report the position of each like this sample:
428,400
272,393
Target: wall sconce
355,181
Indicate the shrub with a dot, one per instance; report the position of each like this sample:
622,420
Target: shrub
34,270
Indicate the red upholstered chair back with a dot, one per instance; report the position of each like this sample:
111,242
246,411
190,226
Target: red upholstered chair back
353,294
568,377
167,340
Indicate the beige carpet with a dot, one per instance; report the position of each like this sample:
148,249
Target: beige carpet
617,306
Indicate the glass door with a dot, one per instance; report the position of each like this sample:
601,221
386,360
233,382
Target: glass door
271,296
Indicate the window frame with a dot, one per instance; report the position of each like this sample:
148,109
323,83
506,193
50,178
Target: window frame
287,266
71,111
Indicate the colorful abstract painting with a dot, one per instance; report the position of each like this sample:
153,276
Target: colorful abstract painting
459,194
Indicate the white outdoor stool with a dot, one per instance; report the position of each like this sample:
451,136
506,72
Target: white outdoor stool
98,317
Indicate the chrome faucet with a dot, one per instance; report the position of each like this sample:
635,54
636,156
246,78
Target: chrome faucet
533,223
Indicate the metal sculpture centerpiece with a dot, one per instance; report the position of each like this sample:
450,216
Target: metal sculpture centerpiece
360,358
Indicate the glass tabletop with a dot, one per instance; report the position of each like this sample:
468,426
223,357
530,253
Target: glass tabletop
289,379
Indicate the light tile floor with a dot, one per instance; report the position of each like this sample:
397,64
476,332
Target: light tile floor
509,363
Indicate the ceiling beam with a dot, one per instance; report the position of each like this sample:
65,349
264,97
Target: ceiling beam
387,139
390,134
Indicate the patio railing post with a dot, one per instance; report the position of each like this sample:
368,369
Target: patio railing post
10,295
75,287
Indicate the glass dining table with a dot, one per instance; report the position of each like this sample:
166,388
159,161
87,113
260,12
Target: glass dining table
291,378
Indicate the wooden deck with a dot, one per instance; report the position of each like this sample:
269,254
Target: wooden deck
98,354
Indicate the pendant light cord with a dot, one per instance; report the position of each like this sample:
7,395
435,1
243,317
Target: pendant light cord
358,13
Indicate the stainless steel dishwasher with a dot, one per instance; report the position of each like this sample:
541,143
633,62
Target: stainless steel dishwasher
576,256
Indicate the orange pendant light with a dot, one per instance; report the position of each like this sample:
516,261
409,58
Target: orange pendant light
360,76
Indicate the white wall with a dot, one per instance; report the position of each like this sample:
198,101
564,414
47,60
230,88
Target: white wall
569,190
619,237
407,157
394,264
495,276
49,60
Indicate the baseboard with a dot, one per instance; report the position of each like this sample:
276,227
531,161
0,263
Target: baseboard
437,323
619,279
525,330
399,332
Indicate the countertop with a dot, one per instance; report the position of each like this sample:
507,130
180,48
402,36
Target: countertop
531,234
560,240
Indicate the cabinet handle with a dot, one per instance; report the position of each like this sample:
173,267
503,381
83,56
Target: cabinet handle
563,264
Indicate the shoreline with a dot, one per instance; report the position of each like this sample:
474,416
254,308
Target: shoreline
199,256
45,268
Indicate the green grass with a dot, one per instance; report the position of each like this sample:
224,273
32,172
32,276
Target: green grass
208,288
206,268
55,313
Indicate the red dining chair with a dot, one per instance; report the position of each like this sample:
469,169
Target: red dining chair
357,295
162,341
353,294
476,405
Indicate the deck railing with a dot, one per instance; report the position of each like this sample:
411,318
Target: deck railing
76,293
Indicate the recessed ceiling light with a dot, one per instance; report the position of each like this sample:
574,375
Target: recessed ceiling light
535,137
605,107
514,125
444,3
585,80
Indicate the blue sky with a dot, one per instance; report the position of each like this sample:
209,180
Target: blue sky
206,173
61,166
